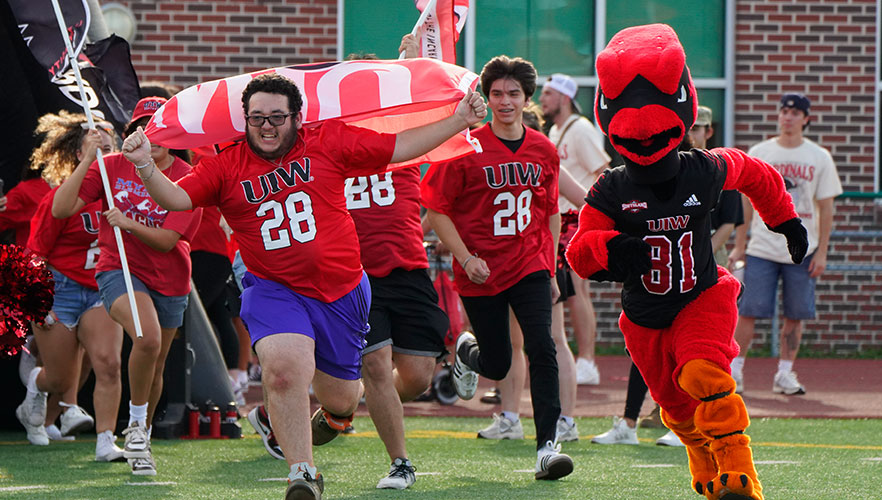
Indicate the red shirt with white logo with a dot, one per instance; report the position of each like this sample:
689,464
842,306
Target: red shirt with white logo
69,245
167,273
386,211
290,217
500,203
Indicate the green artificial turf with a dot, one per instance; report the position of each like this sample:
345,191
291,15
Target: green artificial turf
796,459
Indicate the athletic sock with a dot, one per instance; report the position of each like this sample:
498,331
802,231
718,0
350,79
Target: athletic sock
737,365
514,417
785,366
138,413
32,379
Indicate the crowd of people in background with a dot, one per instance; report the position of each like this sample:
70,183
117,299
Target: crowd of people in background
366,322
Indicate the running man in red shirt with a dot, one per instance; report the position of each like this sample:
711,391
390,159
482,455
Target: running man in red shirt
306,295
497,212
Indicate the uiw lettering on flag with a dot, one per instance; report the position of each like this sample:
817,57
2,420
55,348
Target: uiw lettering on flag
386,96
441,30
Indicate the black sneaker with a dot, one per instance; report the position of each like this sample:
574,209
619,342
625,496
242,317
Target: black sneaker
325,427
260,421
305,488
401,475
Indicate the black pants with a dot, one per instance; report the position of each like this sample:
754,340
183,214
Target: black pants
530,299
210,273
636,393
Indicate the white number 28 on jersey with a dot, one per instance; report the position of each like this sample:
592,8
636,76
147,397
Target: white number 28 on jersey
515,214
360,191
297,210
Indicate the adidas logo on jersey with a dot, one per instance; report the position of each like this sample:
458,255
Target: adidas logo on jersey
692,201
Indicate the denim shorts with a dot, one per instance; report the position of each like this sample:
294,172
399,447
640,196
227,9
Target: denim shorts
72,300
169,309
761,289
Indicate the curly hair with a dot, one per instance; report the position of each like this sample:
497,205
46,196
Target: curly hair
57,154
273,83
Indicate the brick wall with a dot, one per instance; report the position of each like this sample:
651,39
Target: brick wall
824,49
184,42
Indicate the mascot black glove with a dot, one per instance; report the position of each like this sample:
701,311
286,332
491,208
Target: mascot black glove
628,257
797,238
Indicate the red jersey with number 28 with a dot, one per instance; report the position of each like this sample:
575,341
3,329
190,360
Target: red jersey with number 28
69,245
290,217
500,203
386,211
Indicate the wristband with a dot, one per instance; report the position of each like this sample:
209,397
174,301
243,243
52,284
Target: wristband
141,167
466,262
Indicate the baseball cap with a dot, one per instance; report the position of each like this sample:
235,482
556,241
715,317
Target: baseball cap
797,101
565,85
146,107
705,116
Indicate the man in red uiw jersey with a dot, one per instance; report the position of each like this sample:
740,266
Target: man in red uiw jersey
306,297
497,212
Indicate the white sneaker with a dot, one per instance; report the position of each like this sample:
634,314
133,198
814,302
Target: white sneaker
566,433
143,466
55,434
106,449
75,420
551,463
401,475
787,383
669,439
33,408
619,434
465,380
137,443
502,428
587,372
36,433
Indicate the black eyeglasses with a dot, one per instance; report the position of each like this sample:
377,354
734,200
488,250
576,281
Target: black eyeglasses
275,120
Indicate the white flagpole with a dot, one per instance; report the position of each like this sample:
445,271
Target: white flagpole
100,157
416,28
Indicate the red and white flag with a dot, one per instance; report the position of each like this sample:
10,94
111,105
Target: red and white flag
386,96
440,31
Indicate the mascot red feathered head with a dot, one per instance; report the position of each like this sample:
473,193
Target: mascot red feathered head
646,101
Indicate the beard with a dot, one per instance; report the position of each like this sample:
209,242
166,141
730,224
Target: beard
285,145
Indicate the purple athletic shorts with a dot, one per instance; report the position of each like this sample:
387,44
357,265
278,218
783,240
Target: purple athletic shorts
338,328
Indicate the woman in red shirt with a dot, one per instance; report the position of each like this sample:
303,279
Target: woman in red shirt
158,254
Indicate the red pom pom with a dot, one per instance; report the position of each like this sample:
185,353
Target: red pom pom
26,294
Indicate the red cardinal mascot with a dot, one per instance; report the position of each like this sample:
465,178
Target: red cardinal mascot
647,225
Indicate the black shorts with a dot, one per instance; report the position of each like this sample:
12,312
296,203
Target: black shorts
405,314
564,283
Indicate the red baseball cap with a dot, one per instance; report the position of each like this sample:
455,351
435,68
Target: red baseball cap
146,107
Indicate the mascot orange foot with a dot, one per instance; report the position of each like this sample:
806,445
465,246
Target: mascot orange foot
719,451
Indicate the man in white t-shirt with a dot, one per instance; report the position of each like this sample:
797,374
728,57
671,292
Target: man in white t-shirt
811,179
580,147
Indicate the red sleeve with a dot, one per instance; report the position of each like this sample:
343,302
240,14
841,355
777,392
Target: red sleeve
92,188
184,223
21,201
202,183
362,151
587,252
45,228
760,182
554,185
440,186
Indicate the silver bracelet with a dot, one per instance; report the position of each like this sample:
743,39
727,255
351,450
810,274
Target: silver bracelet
152,170
141,167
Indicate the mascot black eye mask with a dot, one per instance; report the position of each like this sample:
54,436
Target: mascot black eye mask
646,100
646,224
